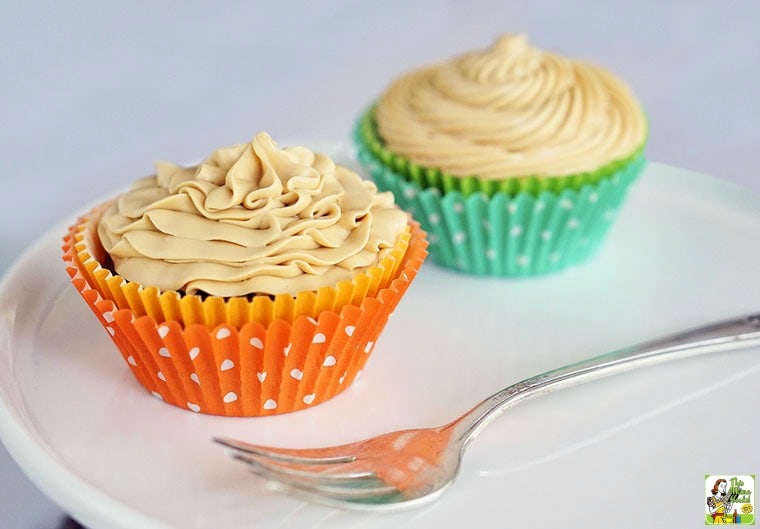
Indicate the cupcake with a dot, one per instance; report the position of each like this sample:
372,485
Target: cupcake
254,283
514,160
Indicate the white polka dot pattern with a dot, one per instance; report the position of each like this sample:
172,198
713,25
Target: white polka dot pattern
247,370
522,235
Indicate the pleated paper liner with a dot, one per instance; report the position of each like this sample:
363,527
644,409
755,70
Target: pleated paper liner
374,151
88,256
257,368
524,235
523,226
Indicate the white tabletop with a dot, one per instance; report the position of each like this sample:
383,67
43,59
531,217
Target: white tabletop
93,93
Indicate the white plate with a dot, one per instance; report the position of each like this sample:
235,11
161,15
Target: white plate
632,449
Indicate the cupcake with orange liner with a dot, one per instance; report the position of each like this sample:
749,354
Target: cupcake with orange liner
514,159
254,283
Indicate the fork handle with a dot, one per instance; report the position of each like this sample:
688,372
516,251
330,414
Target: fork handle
726,335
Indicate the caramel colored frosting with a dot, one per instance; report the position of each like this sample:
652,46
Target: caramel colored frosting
511,110
250,219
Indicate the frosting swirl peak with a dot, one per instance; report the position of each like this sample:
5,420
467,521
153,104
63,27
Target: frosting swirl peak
508,111
251,218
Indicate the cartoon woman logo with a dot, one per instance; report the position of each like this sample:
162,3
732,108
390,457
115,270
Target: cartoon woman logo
719,503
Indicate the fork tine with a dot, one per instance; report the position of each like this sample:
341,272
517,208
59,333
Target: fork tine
349,489
285,455
357,502
310,475
364,494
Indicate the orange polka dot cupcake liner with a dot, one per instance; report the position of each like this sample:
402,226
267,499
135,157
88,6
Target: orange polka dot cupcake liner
239,356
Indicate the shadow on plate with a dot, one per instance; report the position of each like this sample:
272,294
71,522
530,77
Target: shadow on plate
69,523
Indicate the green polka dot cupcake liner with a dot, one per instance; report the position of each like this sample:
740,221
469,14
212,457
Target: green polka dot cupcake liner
527,233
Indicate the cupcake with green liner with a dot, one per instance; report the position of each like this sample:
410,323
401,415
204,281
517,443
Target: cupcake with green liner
514,160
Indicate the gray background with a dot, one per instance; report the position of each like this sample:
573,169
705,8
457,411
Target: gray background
93,92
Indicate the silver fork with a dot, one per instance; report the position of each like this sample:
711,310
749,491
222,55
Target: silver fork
411,467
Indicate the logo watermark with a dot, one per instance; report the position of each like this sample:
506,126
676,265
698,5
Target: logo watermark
730,499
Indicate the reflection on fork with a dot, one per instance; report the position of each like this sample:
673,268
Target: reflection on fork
410,467
390,469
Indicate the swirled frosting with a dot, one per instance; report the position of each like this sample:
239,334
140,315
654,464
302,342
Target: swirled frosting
511,110
250,219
